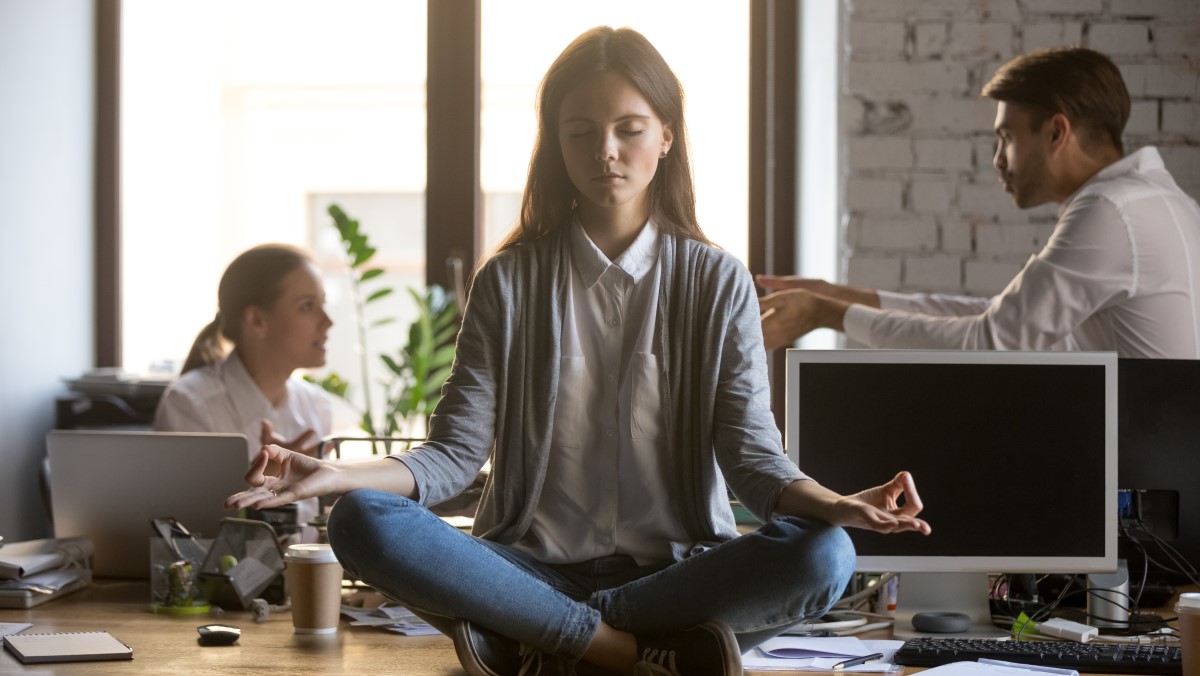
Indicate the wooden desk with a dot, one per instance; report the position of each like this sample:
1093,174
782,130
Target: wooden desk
167,645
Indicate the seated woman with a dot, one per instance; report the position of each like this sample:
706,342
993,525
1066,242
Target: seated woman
271,308
611,365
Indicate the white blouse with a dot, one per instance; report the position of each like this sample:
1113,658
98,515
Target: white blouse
223,398
606,454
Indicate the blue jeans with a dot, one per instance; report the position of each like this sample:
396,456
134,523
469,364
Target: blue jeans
758,584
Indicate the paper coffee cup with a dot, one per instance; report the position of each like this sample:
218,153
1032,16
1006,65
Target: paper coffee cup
314,583
1188,610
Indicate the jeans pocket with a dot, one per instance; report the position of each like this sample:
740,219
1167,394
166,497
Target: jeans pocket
569,423
646,414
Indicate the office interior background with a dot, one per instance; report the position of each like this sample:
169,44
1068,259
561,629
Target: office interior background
901,197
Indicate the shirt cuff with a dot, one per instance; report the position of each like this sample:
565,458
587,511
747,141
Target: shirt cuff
858,322
891,300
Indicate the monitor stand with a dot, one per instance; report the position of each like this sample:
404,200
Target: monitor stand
965,593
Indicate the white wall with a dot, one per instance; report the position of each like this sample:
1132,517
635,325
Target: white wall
46,142
925,212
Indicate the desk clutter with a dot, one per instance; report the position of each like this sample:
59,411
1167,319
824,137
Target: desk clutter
36,571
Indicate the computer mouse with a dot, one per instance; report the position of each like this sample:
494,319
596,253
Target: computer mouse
218,634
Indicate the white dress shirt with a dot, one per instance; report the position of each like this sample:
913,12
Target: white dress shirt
599,497
1121,272
223,398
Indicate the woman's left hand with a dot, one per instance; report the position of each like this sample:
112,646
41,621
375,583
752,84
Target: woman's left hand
880,509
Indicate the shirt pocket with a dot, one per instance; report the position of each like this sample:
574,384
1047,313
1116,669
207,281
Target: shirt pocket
646,415
569,405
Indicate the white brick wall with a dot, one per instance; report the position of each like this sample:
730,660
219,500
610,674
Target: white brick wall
934,273
924,209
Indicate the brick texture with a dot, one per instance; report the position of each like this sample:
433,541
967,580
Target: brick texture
923,206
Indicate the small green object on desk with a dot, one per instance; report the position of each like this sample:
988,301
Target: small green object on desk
196,609
228,561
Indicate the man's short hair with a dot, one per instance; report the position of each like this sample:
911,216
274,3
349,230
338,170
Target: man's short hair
1082,84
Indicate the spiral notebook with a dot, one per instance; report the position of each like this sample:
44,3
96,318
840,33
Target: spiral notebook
83,646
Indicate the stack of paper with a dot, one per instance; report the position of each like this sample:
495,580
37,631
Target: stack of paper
391,617
37,571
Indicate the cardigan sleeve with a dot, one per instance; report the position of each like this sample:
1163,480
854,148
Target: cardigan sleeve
462,427
746,439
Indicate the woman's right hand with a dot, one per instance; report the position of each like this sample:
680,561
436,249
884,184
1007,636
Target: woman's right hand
297,477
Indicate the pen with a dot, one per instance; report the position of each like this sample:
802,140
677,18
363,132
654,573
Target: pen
874,657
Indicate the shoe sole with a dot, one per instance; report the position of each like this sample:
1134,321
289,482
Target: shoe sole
731,655
468,658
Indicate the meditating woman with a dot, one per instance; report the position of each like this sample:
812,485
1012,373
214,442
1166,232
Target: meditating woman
611,364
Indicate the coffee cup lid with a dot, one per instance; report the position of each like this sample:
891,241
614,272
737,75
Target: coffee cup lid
310,553
1189,600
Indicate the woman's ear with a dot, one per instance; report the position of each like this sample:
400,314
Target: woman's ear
254,321
668,139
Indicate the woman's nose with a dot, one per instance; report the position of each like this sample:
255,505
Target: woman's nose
607,150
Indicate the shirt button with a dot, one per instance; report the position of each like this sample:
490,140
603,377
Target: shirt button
610,378
610,486
613,322
609,432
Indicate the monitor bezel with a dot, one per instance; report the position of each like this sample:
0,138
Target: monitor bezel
976,564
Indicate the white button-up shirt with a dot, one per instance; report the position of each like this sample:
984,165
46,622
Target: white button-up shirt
1121,272
223,398
600,496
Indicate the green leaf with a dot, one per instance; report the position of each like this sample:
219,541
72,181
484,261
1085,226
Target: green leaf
383,322
442,357
392,365
446,335
378,294
370,274
363,254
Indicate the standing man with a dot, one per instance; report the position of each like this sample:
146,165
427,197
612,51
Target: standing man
1120,272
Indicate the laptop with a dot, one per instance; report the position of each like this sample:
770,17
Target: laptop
109,485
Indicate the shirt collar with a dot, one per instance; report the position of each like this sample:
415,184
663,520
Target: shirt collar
635,261
1140,161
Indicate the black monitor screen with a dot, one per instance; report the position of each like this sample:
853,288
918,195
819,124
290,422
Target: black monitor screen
1009,459
1159,453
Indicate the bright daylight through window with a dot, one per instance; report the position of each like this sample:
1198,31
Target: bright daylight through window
243,120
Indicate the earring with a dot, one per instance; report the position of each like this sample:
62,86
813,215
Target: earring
663,156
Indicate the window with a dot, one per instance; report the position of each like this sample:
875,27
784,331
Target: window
244,127
241,121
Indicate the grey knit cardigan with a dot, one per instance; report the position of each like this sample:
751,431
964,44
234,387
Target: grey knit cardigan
500,396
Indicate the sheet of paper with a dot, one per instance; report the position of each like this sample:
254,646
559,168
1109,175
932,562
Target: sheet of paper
981,669
819,654
7,628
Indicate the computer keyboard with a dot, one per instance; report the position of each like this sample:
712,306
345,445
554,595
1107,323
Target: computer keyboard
1083,657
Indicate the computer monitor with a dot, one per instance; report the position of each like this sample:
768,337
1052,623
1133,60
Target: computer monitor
1159,462
1014,456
